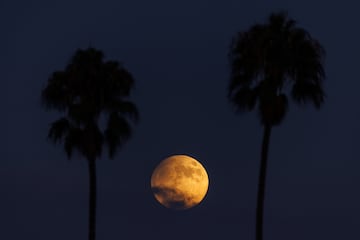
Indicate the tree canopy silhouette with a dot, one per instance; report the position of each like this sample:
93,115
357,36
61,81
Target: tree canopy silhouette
271,63
88,89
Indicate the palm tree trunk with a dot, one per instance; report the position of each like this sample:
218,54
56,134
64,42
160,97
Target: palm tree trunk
261,183
92,199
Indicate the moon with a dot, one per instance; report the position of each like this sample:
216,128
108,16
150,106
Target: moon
179,182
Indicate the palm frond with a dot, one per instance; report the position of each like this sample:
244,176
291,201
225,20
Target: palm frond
125,108
303,92
274,58
59,129
88,88
72,141
117,131
246,57
117,80
54,95
244,99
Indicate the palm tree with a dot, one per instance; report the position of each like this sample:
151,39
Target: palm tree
89,89
271,63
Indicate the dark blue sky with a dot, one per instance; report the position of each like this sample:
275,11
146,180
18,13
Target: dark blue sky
177,52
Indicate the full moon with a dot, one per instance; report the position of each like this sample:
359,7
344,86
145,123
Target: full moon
179,182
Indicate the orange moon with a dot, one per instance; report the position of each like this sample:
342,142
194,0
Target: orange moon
179,182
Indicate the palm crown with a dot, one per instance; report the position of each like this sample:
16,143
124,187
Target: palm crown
271,61
87,89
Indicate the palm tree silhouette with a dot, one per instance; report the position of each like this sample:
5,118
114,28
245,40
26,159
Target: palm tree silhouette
269,63
88,89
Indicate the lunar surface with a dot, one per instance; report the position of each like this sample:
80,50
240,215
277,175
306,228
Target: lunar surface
179,182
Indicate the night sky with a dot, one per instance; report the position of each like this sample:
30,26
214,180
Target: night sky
177,53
